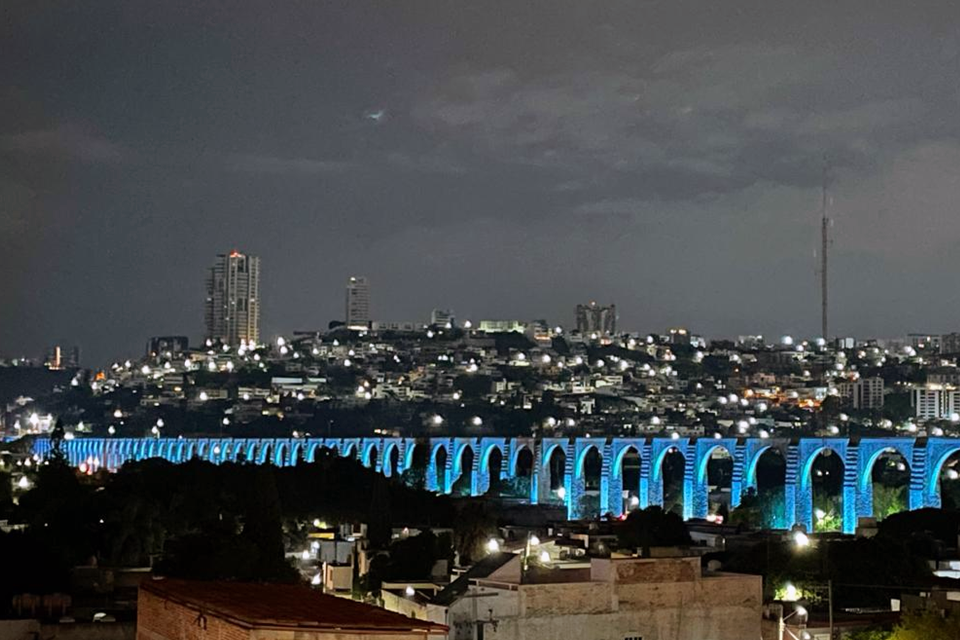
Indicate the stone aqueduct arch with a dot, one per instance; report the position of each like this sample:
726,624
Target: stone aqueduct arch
924,458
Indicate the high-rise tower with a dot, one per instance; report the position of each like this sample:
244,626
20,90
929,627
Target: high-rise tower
358,303
233,299
593,318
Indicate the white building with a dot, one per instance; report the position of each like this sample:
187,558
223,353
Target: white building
233,299
443,318
866,393
936,401
502,326
358,303
620,598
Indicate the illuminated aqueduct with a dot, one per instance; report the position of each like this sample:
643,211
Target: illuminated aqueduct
448,459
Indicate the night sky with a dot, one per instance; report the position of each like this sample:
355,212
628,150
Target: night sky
501,159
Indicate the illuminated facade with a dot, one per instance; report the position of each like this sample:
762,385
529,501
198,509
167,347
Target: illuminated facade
233,299
594,318
358,304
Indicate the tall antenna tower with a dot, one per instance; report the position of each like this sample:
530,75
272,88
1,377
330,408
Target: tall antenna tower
824,242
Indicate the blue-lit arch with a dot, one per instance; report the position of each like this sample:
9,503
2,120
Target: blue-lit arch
411,448
621,454
458,460
371,449
583,457
657,467
485,457
705,461
806,479
933,481
387,463
515,459
866,477
265,452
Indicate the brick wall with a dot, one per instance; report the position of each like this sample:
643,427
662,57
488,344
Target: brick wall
160,619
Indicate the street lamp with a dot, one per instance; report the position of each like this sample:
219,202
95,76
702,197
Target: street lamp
799,611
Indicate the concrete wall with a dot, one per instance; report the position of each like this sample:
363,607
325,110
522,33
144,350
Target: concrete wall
654,600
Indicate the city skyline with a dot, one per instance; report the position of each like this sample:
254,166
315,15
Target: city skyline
666,157
236,274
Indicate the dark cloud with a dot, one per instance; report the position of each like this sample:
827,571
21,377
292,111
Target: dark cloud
247,163
64,142
503,159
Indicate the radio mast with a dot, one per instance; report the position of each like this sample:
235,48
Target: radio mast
824,240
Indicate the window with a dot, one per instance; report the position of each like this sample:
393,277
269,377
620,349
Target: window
633,638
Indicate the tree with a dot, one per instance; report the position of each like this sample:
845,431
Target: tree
652,527
6,494
888,500
516,487
749,513
473,529
588,506
57,456
379,521
869,634
927,625
263,528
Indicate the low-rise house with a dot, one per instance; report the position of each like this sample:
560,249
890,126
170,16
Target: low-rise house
181,610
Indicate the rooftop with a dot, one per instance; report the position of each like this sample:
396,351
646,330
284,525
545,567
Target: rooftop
282,605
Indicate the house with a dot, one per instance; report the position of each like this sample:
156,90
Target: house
180,610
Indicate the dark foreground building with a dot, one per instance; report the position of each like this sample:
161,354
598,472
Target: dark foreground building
181,610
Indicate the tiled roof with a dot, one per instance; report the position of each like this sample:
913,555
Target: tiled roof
283,605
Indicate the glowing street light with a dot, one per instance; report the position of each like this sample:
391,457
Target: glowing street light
790,593
493,545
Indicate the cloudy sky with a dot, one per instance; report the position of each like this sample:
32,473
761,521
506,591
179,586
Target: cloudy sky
501,159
